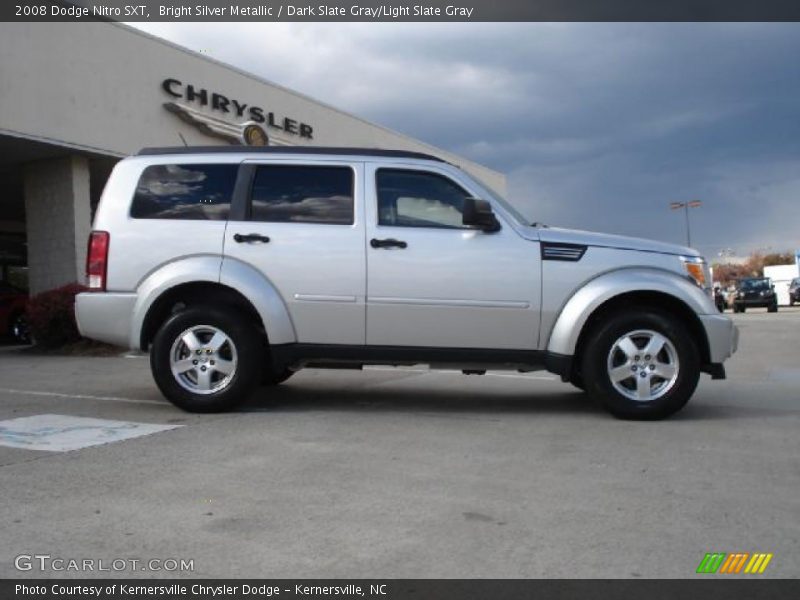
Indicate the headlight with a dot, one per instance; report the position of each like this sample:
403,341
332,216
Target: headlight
697,269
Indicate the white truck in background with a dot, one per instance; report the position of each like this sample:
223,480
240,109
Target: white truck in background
781,276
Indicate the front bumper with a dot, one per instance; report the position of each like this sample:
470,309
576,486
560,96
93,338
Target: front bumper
756,301
105,316
722,335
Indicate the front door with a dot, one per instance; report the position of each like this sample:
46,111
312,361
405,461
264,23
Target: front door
433,282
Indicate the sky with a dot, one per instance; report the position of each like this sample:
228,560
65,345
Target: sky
596,125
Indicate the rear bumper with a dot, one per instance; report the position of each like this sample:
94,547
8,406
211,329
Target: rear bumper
105,316
722,335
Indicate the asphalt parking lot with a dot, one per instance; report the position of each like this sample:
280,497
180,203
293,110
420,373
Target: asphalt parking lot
405,473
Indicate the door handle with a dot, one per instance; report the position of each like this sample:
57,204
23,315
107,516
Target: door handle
250,237
387,243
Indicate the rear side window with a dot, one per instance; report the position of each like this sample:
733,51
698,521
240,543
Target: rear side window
196,192
303,194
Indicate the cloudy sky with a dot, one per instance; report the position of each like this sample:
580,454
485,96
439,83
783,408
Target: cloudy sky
598,126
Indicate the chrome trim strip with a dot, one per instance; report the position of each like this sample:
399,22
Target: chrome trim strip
323,298
448,302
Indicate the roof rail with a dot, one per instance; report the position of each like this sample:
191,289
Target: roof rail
328,150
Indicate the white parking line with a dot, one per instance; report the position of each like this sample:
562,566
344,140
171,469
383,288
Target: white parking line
80,396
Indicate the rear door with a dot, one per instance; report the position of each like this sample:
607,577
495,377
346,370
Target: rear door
304,231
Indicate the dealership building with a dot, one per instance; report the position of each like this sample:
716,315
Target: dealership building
77,97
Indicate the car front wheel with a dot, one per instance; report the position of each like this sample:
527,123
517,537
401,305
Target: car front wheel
641,364
205,359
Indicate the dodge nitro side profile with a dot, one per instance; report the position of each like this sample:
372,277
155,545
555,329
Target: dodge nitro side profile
236,267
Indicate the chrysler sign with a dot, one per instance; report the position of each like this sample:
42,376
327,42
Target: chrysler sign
226,105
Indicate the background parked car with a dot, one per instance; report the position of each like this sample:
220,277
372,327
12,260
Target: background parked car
729,295
794,291
719,299
13,321
755,292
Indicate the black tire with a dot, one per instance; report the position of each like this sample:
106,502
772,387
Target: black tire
269,378
246,341
576,379
596,356
773,307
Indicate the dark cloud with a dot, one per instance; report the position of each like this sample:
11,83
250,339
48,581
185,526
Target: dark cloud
598,126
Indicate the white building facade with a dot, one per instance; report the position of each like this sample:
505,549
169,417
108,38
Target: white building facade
77,97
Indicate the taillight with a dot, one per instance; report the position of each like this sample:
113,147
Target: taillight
97,260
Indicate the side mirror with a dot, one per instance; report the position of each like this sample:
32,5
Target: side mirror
478,213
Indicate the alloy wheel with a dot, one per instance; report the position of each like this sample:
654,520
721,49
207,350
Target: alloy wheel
203,359
643,365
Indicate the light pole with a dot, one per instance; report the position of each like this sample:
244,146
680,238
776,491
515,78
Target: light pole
686,206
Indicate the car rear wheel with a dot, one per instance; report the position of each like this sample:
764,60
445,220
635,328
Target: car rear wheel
206,360
641,364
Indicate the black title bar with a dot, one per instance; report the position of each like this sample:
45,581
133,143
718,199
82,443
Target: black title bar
708,588
400,10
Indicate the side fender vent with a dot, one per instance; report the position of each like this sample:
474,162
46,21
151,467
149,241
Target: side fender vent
560,251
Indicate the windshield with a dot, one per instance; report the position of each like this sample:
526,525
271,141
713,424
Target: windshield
755,284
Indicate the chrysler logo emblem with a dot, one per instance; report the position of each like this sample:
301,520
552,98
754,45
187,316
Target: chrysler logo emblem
249,133
254,135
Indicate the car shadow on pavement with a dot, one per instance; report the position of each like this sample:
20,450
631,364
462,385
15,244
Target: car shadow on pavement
299,398
700,411
289,398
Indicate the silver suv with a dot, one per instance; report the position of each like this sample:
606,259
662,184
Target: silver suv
236,267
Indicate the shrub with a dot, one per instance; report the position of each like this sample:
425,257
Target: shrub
51,316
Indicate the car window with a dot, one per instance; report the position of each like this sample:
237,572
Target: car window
419,199
195,192
303,194
755,284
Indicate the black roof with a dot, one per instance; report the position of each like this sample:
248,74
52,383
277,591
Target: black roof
285,150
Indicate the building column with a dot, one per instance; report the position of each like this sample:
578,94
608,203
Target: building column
58,221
